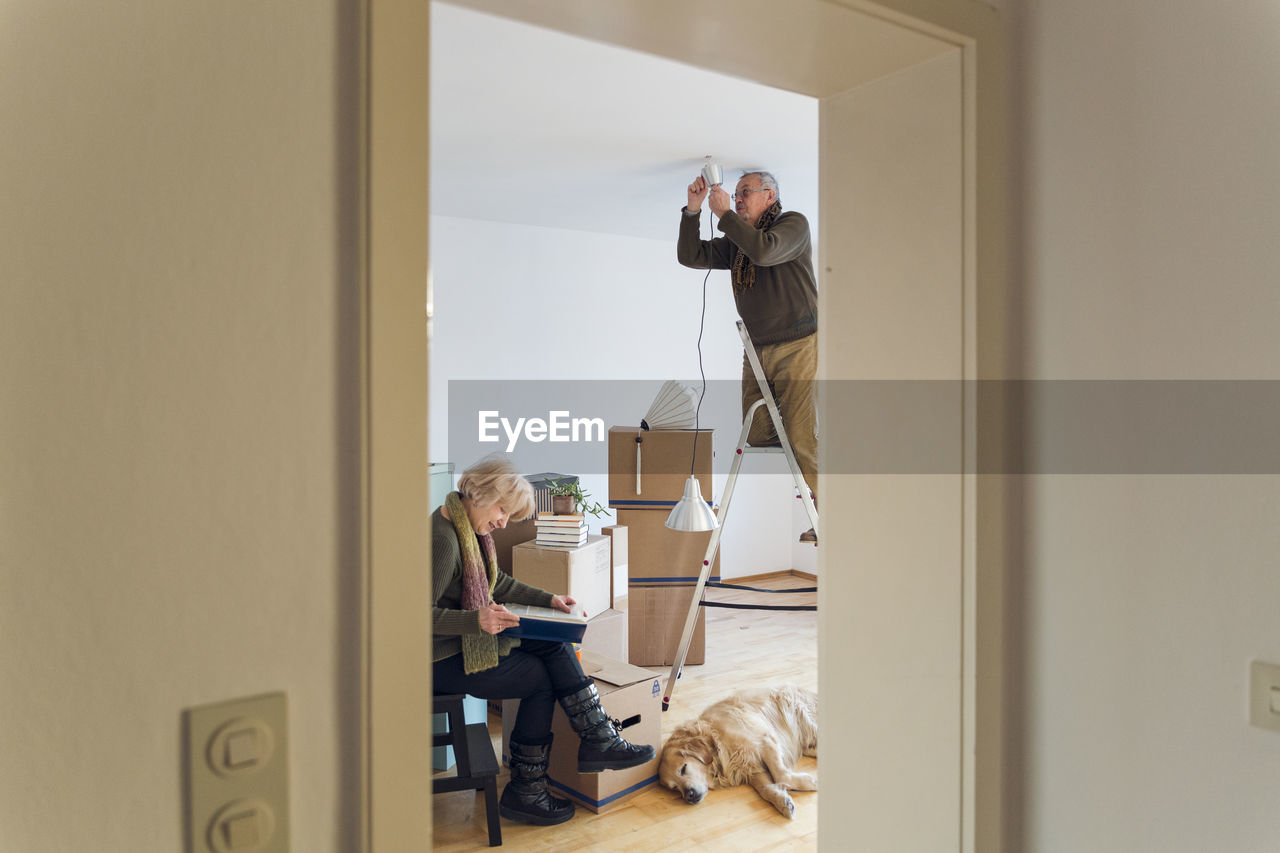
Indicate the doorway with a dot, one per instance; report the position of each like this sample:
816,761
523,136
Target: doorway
904,763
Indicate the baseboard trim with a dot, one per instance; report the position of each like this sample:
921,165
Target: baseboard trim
785,573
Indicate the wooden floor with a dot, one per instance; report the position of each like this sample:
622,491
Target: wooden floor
744,647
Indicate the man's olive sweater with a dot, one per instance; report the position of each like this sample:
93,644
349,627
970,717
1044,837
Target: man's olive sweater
782,305
449,620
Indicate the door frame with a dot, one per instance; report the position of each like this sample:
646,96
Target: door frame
394,208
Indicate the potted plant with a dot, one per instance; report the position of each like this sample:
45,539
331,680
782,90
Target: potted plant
568,498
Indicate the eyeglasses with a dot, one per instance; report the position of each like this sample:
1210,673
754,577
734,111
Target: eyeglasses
742,194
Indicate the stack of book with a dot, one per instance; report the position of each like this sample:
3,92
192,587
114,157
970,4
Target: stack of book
560,531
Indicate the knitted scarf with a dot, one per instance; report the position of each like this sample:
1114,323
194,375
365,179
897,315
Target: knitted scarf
744,272
479,651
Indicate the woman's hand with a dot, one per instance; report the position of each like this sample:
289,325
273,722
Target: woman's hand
564,603
495,618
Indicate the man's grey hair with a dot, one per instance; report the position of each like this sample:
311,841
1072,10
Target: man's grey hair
767,181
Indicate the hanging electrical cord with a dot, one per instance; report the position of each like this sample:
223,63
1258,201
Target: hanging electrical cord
702,323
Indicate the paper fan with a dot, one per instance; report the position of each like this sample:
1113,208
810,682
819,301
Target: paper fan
675,407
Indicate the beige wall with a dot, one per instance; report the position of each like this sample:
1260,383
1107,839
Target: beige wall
180,382
1149,195
174,412
177,408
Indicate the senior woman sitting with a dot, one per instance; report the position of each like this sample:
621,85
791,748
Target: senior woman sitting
468,589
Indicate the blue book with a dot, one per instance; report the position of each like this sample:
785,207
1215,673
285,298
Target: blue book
547,623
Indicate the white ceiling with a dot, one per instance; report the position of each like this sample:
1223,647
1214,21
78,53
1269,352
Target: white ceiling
536,127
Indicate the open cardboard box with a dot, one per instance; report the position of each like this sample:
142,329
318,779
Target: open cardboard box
629,694
607,635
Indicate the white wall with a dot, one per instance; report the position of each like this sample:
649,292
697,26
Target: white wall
176,387
629,312
1149,203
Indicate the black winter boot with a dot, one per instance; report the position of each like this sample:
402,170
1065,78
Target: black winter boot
602,748
526,797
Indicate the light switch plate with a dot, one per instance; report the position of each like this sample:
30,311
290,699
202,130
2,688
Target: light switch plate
1264,682
238,776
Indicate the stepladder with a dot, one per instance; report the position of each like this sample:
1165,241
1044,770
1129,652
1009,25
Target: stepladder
743,449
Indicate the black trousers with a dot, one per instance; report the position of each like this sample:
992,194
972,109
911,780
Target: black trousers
536,672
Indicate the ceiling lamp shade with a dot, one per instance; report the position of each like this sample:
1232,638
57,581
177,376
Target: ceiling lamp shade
691,514
674,408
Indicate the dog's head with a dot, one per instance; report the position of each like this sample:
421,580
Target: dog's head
688,761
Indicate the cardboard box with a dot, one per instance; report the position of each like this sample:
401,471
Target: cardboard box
582,572
665,457
618,574
607,635
659,555
629,694
506,538
655,620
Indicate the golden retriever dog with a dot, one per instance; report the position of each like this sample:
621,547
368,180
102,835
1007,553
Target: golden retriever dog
753,737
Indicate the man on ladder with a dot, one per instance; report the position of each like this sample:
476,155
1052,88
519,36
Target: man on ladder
769,253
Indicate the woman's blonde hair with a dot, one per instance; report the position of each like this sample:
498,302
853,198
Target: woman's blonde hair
494,480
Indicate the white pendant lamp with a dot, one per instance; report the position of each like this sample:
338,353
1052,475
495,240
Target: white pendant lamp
691,513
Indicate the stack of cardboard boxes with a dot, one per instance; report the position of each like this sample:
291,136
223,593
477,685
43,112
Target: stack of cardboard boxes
647,474
630,694
586,574
662,568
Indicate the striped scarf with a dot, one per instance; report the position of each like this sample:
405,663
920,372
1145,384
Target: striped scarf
479,651
744,272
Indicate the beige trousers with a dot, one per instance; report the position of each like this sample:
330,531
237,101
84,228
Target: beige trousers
791,369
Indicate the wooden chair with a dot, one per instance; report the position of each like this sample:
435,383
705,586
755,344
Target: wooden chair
477,766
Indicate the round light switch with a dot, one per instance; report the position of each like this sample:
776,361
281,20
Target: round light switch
241,827
240,746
